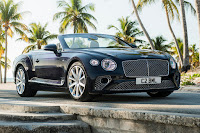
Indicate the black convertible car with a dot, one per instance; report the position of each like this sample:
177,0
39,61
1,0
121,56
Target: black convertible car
91,64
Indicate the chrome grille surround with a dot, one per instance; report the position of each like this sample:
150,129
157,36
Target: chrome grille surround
145,67
131,85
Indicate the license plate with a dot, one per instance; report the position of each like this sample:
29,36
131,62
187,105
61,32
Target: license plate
148,80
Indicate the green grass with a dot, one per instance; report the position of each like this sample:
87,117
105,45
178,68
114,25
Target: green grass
183,74
196,75
187,83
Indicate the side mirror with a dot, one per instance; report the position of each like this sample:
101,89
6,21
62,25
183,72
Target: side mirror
52,47
132,45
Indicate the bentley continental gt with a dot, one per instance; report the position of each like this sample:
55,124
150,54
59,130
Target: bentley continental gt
86,65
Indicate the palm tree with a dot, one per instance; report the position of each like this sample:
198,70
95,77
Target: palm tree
175,51
10,17
197,2
171,11
39,36
186,57
141,24
2,64
159,43
1,53
75,15
194,58
128,30
2,39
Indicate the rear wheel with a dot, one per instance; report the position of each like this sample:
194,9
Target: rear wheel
160,94
77,82
22,86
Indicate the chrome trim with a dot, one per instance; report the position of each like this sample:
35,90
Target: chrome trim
148,68
47,81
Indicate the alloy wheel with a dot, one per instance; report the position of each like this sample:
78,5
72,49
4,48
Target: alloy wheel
20,81
76,81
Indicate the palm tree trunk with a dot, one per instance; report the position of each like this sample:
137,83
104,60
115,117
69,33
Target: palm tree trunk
175,40
197,2
186,57
1,80
6,53
38,44
142,26
75,28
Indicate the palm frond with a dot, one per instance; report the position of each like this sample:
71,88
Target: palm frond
75,15
128,30
38,35
59,15
90,24
88,16
63,3
112,26
88,6
190,7
50,37
29,48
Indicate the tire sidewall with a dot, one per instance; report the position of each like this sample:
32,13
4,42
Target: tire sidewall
28,92
85,96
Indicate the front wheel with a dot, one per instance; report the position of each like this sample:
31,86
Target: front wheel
77,82
160,94
22,86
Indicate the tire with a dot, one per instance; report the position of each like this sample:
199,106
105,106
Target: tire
22,85
78,83
160,94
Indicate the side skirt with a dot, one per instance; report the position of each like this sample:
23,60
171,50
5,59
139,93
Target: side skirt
47,81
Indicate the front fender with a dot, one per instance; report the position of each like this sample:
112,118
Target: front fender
94,71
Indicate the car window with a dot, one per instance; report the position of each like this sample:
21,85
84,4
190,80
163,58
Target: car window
94,42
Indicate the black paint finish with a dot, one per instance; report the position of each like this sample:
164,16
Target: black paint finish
53,66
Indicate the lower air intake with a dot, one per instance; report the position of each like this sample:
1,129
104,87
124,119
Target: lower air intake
166,84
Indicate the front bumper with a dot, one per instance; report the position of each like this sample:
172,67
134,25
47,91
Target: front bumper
121,84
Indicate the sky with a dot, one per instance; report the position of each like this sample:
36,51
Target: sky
106,12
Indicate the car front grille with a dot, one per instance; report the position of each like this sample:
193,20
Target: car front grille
128,86
145,67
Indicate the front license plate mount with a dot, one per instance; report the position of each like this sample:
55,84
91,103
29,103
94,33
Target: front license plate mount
148,80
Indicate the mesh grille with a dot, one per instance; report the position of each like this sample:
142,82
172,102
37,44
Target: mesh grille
99,85
166,84
139,68
158,67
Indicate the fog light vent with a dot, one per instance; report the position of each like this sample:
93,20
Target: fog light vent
102,81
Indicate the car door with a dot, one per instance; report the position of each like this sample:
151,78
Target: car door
49,67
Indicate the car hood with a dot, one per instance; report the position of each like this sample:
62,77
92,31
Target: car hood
125,53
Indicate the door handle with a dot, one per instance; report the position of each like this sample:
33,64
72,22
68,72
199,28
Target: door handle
37,61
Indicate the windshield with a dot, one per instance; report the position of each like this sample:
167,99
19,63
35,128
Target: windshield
94,41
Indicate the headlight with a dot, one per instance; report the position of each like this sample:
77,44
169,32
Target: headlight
173,63
94,62
108,65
